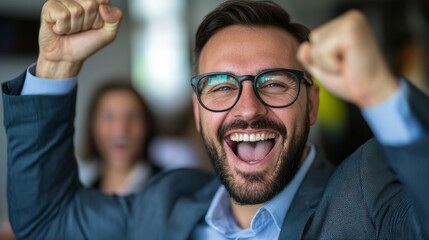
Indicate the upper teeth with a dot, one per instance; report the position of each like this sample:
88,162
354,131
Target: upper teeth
236,137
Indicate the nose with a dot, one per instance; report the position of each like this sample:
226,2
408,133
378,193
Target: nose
248,107
120,127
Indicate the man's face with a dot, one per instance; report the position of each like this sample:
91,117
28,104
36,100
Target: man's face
254,172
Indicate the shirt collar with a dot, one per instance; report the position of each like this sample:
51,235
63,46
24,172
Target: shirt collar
279,205
219,215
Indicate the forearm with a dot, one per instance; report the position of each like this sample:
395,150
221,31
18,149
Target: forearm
46,200
42,171
392,121
34,85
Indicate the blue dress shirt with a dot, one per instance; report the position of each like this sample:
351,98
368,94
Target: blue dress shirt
392,121
39,86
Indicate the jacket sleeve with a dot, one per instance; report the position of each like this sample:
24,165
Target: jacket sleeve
411,163
45,198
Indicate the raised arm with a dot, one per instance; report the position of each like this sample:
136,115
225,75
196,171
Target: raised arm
46,200
70,32
344,56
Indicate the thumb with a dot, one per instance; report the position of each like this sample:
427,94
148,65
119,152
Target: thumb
111,17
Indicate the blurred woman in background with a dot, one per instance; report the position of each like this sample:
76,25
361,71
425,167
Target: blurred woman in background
119,129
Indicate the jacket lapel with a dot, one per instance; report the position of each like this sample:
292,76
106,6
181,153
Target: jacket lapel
307,198
188,211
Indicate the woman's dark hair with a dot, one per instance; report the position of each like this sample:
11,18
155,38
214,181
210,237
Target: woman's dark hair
247,13
90,150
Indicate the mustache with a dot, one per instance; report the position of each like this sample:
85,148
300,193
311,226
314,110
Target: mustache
256,124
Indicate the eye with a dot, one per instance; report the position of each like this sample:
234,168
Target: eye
277,82
219,83
223,88
272,85
275,85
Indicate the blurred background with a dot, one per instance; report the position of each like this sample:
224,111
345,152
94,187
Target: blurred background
154,48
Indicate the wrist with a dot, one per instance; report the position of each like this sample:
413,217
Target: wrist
386,86
56,69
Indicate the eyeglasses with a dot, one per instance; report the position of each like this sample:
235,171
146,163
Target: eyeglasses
276,88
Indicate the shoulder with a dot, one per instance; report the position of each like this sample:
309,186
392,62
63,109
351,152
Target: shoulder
366,171
362,187
365,160
186,174
154,205
172,184
364,179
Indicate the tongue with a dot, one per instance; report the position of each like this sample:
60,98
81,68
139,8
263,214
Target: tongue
253,151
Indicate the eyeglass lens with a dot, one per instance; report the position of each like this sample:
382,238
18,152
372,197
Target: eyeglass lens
220,91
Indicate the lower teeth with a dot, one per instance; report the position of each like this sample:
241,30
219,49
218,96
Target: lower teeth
252,162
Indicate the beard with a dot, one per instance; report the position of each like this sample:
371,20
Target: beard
258,187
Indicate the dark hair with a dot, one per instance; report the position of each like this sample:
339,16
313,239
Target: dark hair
248,13
90,150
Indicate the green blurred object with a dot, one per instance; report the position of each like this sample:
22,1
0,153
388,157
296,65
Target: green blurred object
332,111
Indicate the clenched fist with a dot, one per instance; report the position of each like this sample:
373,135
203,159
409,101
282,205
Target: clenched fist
70,32
343,54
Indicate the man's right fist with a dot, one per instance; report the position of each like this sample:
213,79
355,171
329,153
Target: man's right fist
70,32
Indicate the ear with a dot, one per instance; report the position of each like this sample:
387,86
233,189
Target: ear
196,105
313,102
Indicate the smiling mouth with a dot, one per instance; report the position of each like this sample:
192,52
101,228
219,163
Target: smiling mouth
120,143
251,148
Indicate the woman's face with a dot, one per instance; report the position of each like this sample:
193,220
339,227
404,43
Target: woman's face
119,128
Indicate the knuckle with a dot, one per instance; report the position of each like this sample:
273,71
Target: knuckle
76,11
356,14
314,36
90,6
61,28
355,19
63,15
49,3
47,6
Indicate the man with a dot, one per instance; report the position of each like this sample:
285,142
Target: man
253,105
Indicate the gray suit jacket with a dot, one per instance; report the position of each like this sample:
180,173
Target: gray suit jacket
377,193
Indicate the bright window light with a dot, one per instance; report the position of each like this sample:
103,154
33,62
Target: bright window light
160,62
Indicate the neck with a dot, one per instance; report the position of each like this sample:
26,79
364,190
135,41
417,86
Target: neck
243,214
112,180
304,155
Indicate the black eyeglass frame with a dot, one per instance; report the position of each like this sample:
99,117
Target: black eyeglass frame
299,75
